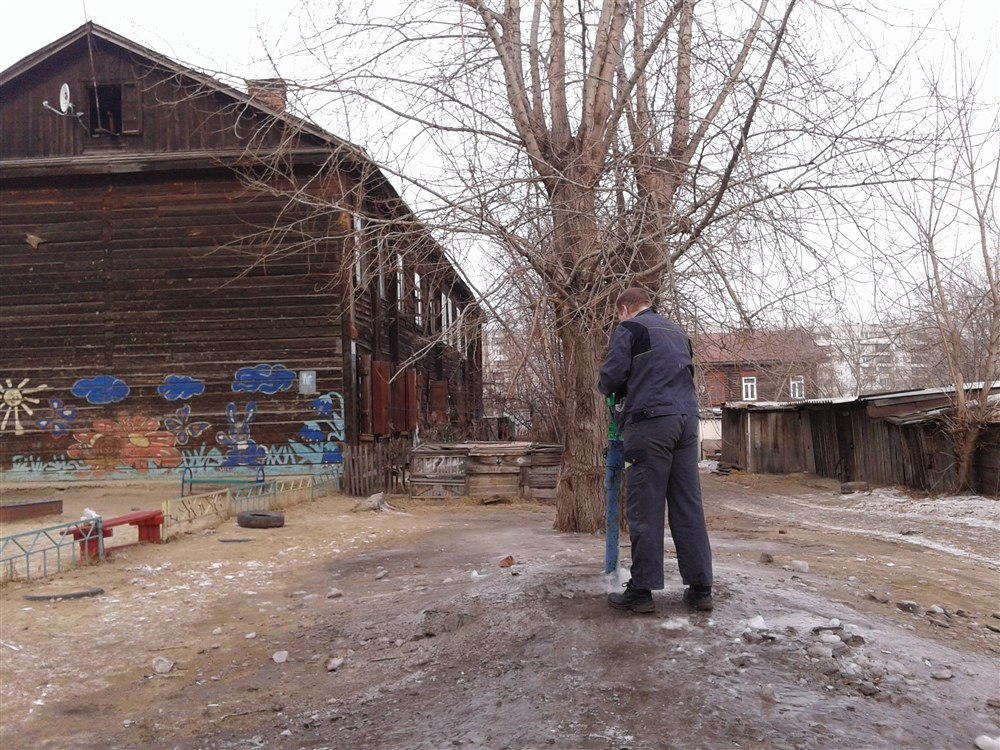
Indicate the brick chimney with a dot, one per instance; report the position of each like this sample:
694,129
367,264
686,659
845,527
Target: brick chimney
268,91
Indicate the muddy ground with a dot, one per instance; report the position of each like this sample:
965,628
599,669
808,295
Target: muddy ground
402,631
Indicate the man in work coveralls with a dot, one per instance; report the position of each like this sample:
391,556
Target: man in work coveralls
649,365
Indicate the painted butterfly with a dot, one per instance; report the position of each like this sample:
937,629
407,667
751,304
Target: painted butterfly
183,430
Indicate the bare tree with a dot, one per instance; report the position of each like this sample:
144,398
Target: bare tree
704,151
954,245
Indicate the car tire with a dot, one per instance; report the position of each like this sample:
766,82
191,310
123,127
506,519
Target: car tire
55,597
260,519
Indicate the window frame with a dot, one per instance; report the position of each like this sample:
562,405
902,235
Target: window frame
381,258
418,302
128,108
797,387
749,386
400,284
359,225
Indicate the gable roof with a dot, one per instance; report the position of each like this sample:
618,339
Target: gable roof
95,31
346,152
757,347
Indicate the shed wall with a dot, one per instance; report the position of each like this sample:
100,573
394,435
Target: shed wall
841,442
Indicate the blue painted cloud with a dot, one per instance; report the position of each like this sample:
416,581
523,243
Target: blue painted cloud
101,389
267,379
180,387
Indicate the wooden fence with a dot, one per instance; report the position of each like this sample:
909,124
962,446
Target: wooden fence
376,467
842,442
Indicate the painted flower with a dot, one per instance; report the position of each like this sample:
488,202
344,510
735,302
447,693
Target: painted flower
131,441
183,430
62,417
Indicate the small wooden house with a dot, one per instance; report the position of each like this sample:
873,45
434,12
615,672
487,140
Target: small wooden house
192,277
757,366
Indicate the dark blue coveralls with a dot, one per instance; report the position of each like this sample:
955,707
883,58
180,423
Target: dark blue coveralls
649,364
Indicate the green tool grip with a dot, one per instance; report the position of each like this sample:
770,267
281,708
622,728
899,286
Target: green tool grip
614,433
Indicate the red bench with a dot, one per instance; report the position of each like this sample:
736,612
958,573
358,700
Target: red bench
149,523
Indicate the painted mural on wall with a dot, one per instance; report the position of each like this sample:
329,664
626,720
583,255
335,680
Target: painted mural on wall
61,419
321,438
147,446
241,450
269,379
101,389
15,399
180,387
183,430
137,442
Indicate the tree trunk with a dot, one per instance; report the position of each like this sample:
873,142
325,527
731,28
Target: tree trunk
966,439
582,325
580,499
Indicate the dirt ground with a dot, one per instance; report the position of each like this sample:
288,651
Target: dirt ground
402,631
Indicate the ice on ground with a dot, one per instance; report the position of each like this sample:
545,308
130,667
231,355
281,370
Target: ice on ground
970,510
674,623
614,580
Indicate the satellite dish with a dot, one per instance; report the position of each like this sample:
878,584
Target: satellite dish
64,101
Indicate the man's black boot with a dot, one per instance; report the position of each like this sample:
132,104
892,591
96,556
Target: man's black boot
699,598
634,599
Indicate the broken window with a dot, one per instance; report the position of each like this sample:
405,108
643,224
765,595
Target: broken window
114,109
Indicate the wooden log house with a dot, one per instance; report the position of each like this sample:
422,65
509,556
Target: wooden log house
192,277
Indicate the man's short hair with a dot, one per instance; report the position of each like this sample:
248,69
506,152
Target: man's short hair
633,298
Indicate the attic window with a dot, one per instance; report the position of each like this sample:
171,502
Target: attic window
114,109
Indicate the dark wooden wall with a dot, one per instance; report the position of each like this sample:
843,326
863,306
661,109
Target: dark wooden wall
772,380
136,258
177,113
407,375
140,277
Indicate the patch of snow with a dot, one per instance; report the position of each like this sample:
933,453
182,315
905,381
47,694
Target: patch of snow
970,510
674,623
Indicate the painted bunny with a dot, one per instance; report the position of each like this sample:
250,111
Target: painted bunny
242,450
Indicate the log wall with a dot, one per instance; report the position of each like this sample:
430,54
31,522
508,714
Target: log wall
141,332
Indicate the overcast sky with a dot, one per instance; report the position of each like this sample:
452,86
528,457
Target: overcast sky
226,34
210,34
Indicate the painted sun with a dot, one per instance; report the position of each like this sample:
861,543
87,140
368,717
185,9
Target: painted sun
14,399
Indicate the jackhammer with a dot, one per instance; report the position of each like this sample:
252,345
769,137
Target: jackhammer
614,461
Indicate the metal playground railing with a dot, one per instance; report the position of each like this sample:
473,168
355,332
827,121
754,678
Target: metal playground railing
45,552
